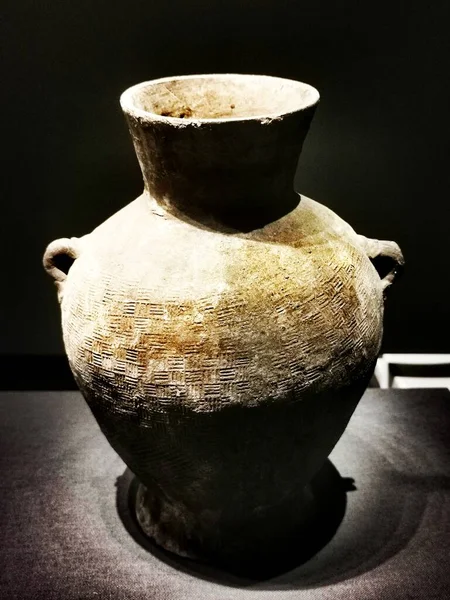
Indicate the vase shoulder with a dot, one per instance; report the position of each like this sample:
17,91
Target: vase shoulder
144,245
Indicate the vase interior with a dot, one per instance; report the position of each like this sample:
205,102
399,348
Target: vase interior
221,97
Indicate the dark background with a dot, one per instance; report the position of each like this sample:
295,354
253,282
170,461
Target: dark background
377,152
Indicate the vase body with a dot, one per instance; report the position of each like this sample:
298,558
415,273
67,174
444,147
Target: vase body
221,327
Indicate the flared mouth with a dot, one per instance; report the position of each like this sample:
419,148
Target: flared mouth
217,98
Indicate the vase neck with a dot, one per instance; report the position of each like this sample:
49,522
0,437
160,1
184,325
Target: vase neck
232,173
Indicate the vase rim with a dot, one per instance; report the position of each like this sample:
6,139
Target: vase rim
291,96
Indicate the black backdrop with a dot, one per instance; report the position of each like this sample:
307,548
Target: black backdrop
377,151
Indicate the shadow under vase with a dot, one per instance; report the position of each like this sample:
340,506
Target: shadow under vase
273,542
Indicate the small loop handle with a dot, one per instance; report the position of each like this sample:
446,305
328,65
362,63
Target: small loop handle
385,249
64,247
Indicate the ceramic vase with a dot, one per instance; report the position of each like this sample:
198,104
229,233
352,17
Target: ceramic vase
221,327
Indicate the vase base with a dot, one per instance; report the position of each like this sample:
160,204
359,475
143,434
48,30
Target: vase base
292,533
147,506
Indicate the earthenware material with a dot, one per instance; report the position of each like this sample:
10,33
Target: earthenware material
221,327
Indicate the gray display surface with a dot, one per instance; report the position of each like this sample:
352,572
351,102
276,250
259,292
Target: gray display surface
66,531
